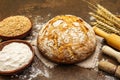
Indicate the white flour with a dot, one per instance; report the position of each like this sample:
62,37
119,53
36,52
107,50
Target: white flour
14,56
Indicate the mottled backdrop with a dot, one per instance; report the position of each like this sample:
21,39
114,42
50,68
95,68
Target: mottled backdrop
40,11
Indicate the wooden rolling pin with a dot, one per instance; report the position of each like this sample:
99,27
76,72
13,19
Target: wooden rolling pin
109,68
112,39
111,52
117,72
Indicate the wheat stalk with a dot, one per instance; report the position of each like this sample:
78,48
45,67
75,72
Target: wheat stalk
101,19
103,28
104,19
105,23
112,29
104,13
107,15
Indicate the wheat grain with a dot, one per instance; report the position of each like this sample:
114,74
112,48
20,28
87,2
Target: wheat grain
93,23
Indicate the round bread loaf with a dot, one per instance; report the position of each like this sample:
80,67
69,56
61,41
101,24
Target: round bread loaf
66,39
14,27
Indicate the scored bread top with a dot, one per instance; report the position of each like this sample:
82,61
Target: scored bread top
14,26
66,39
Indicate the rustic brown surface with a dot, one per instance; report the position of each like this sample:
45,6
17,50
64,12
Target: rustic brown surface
46,9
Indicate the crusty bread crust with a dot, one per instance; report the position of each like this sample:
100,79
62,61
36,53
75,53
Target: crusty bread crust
15,27
66,39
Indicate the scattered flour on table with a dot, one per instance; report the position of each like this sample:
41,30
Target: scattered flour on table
33,40
108,77
36,72
31,73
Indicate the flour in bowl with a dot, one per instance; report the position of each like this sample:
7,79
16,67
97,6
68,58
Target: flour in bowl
14,56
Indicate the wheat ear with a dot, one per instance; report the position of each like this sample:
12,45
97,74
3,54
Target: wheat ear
101,19
112,29
108,15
